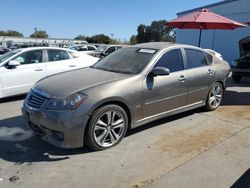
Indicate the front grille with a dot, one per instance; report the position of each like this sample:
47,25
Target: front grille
35,100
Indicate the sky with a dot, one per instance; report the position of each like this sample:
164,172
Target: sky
69,18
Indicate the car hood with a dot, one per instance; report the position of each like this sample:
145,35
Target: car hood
64,84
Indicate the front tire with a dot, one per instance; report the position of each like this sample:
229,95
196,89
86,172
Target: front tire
215,96
107,127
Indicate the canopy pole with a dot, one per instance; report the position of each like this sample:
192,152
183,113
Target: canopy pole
200,38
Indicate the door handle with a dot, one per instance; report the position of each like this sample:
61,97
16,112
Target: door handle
72,65
210,72
182,78
38,69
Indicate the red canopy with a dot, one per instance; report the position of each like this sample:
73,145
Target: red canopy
204,19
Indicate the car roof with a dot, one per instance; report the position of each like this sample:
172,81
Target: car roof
122,45
41,48
163,45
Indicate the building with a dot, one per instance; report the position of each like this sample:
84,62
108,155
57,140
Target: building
4,40
225,42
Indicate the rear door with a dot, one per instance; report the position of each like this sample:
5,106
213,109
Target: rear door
166,93
19,79
59,61
200,73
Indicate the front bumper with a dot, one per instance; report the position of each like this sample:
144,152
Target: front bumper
60,128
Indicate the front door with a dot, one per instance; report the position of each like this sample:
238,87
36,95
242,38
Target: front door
166,93
19,79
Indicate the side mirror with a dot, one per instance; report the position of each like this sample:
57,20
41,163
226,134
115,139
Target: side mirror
14,63
160,71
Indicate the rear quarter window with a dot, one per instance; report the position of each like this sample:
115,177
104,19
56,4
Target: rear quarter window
209,58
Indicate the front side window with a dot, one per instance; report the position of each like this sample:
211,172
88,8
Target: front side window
171,60
30,57
8,55
110,50
57,55
195,58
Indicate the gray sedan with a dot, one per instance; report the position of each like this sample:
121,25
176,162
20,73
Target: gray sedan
130,87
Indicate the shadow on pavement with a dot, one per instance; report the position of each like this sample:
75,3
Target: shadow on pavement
19,145
164,120
243,181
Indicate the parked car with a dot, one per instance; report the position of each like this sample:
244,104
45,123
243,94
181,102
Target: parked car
104,50
130,87
21,68
4,50
241,67
86,49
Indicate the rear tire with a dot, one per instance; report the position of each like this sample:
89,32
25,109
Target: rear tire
236,78
215,96
107,127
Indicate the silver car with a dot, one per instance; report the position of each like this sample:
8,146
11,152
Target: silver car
130,87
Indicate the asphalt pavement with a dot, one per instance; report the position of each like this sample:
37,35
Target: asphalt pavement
192,149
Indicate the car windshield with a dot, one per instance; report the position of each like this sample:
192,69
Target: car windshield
126,60
8,55
101,48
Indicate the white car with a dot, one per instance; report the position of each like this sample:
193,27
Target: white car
85,49
20,69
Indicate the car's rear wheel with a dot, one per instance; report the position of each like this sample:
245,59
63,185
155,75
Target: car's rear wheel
236,78
107,127
215,96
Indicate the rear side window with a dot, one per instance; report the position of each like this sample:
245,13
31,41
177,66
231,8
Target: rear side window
171,60
195,58
57,55
91,48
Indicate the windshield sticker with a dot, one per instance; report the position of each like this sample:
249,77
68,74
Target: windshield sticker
148,51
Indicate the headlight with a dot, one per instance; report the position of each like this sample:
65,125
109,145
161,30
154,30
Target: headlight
69,103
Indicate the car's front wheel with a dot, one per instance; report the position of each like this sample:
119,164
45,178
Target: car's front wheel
215,96
107,127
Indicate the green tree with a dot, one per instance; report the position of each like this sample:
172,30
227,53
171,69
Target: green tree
157,31
141,36
14,33
2,33
80,37
11,33
39,34
101,38
133,40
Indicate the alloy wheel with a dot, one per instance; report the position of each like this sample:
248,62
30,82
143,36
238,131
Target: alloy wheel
215,97
109,128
